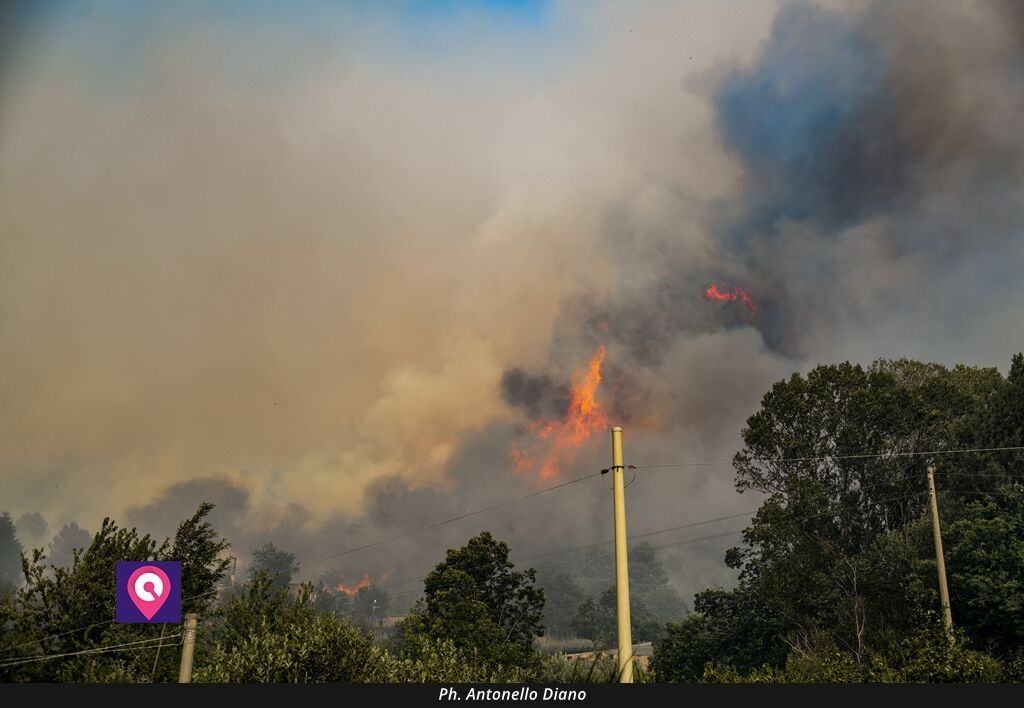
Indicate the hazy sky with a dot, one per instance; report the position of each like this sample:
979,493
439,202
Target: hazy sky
283,253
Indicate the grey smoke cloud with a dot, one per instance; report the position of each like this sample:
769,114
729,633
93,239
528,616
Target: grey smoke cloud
330,291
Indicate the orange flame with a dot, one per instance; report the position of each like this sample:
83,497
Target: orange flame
351,590
712,292
583,418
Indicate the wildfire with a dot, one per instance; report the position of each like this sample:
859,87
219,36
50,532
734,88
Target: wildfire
713,292
351,590
583,418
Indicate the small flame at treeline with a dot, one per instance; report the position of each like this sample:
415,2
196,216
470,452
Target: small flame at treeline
729,294
554,441
353,589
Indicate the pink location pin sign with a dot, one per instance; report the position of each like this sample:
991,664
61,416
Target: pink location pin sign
149,587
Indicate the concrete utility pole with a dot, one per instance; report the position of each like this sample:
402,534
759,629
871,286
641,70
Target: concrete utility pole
625,657
940,559
188,649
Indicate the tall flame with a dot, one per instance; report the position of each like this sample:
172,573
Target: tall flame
583,418
713,292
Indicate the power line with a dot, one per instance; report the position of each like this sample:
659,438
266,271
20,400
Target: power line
673,544
61,634
435,525
92,626
632,537
591,545
719,535
823,458
404,534
95,650
609,558
646,534
595,545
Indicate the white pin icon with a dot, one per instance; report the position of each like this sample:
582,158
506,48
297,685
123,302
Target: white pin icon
148,588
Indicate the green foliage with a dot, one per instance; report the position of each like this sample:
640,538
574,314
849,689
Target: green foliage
730,628
597,621
69,539
429,660
10,556
563,596
277,565
477,600
805,549
985,552
328,598
837,572
649,584
599,668
370,605
684,650
60,610
265,636
928,655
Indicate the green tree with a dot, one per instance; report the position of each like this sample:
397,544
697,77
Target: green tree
685,648
476,599
328,597
562,599
925,656
802,550
734,628
264,635
69,609
649,583
985,553
370,605
836,571
10,556
66,542
277,565
598,622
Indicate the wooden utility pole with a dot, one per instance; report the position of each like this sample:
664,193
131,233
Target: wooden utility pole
940,560
188,649
624,662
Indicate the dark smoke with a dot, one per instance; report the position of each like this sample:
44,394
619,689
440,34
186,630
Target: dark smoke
867,137
879,213
539,397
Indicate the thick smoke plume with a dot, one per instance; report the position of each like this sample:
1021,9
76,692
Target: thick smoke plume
331,283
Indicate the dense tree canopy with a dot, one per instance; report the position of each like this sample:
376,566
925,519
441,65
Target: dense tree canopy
10,556
277,565
563,596
838,561
476,599
69,539
69,609
597,621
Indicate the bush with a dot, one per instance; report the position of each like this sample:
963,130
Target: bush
931,656
927,656
305,647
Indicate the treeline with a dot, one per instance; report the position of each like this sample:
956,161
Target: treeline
580,600
476,621
836,572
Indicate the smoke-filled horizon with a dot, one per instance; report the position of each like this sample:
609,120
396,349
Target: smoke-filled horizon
348,270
